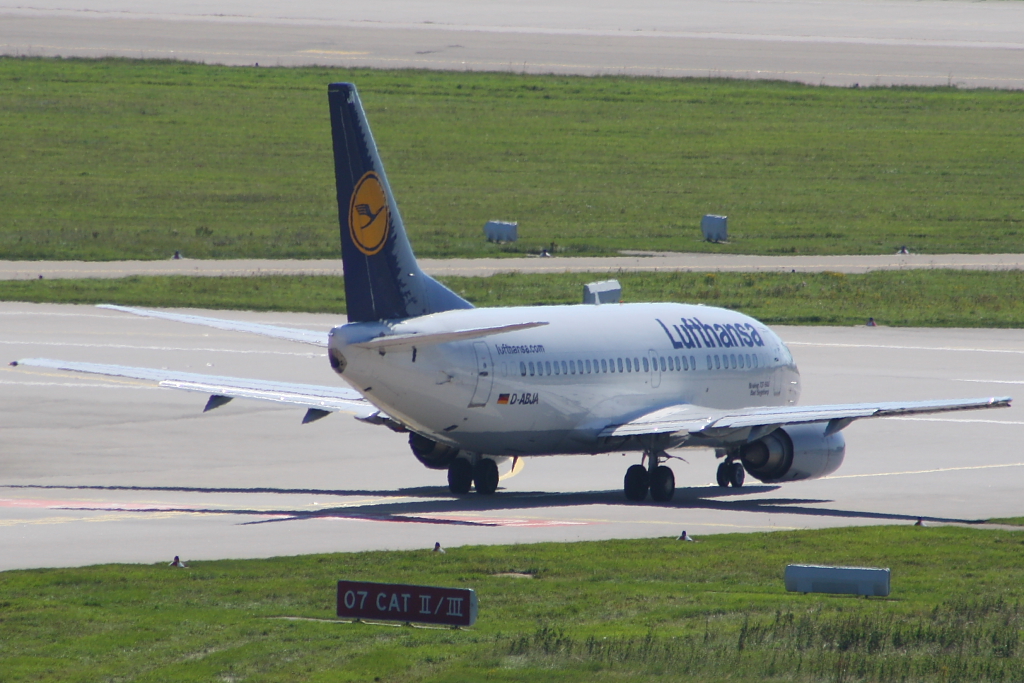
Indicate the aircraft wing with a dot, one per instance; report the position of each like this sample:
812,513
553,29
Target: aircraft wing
719,423
320,400
289,333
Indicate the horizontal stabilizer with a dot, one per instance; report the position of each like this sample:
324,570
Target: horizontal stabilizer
442,337
288,333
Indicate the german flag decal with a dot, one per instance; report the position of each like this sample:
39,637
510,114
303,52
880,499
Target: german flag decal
503,399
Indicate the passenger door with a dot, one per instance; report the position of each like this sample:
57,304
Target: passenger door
484,375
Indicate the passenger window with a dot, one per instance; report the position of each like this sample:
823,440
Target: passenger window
620,365
718,364
661,362
572,367
556,368
636,364
747,356
588,366
604,365
547,366
710,365
522,368
693,362
531,368
741,360
732,360
755,360
629,365
686,366
647,366
565,369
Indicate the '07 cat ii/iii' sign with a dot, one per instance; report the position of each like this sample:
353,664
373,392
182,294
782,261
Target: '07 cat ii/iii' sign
399,602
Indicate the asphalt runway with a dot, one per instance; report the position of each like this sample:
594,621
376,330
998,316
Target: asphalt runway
113,470
832,42
629,262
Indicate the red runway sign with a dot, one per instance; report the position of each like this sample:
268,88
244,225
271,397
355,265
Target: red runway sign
399,602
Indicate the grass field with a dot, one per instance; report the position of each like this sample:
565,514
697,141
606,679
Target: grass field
113,159
1011,521
634,610
918,298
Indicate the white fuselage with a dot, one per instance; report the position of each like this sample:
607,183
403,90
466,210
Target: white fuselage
551,389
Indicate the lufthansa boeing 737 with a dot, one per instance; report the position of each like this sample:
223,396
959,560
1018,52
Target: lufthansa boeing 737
475,387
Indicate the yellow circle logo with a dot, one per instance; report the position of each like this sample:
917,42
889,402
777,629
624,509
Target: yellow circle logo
368,217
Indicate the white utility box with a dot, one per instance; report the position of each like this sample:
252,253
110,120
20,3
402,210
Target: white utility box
810,578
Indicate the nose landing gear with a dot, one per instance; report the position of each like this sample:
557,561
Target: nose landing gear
656,478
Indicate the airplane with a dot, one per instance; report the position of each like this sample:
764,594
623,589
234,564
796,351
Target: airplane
476,387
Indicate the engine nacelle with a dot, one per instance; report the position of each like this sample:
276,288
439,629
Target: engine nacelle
435,455
793,453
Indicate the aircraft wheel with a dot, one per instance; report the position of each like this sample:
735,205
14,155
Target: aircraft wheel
485,476
724,474
737,475
460,476
663,484
635,483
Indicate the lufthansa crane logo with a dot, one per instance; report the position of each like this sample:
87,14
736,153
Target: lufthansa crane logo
368,218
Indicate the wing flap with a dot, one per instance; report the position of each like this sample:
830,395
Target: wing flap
310,399
671,420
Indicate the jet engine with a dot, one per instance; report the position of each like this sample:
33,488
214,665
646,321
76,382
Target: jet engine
794,452
435,455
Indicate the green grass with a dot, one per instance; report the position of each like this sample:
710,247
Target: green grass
112,159
605,611
1011,521
916,298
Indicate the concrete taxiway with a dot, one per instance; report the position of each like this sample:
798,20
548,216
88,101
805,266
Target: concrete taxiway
96,470
627,262
839,42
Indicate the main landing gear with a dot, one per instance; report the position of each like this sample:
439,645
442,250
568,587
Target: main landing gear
656,478
462,474
730,473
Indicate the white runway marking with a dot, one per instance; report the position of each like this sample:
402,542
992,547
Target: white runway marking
992,381
904,348
955,420
940,469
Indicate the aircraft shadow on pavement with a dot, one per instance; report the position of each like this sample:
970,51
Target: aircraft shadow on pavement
433,502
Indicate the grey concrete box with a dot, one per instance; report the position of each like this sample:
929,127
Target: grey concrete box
715,228
605,292
500,231
809,578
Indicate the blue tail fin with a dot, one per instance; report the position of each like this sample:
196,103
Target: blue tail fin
382,279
